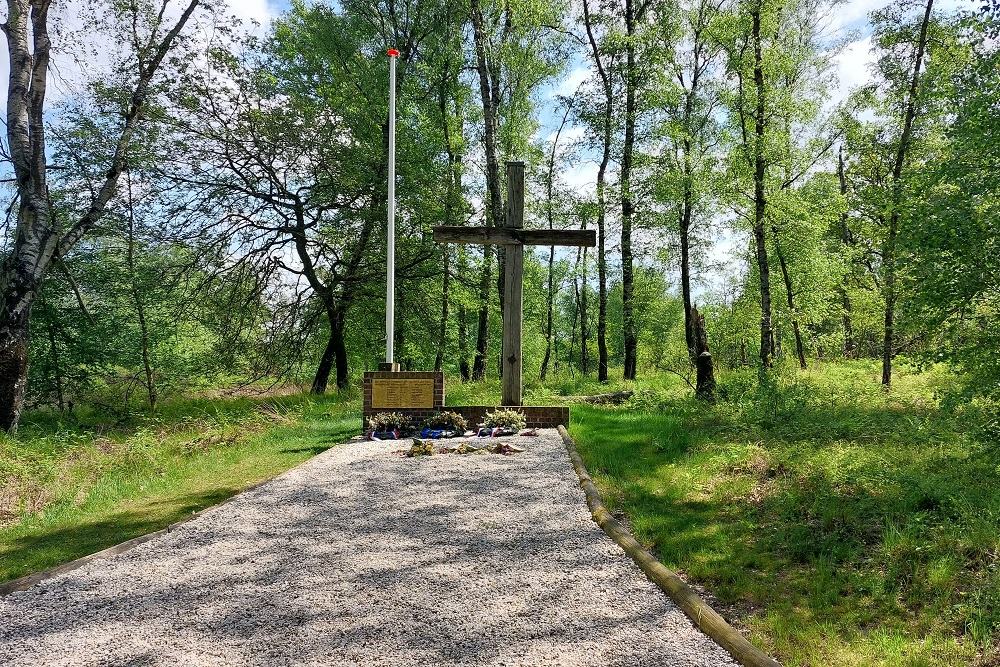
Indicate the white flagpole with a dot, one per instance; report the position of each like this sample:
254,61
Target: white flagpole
390,282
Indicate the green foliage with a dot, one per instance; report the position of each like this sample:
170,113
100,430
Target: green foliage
842,525
73,485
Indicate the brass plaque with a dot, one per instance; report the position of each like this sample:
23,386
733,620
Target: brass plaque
403,393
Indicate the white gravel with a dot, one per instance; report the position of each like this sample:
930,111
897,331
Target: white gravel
361,556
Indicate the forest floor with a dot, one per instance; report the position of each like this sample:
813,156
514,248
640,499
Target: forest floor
836,524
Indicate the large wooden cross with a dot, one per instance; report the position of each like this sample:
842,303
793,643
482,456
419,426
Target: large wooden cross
513,237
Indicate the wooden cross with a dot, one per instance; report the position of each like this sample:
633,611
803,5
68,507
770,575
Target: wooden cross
513,237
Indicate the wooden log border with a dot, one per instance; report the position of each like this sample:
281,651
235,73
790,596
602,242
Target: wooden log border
707,619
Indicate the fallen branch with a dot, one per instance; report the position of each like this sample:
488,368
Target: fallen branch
612,398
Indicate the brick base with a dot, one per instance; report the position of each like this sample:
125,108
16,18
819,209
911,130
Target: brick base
545,416
548,416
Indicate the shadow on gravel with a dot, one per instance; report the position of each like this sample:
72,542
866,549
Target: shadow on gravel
57,543
312,451
451,567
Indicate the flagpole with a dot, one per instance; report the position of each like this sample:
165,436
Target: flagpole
390,282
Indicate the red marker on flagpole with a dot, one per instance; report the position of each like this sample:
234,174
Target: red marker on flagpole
390,269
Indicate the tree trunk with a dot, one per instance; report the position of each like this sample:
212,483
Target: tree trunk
789,294
57,379
140,307
482,331
550,299
340,349
584,325
889,250
322,378
334,355
20,279
13,373
443,327
684,223
628,314
452,193
549,187
848,240
602,270
463,344
488,91
760,197
705,386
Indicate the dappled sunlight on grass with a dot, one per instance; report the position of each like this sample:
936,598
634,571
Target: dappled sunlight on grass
840,524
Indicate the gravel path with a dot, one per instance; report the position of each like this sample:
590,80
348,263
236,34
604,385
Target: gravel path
361,556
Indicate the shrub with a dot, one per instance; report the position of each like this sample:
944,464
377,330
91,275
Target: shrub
450,421
505,418
387,421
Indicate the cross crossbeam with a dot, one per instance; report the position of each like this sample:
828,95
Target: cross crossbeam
508,236
513,237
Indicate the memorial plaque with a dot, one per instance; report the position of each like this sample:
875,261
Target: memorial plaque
403,393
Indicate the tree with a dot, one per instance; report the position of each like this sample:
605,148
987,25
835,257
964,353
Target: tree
889,250
604,61
514,54
774,56
691,135
39,238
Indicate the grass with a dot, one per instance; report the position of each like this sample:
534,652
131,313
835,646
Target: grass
71,487
838,525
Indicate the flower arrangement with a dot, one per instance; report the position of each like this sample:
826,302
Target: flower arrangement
508,419
387,422
447,421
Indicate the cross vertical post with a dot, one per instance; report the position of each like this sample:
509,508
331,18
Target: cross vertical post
513,293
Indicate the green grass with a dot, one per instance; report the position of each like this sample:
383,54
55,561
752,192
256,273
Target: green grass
839,525
71,487
836,524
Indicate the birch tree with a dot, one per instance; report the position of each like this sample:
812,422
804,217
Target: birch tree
40,236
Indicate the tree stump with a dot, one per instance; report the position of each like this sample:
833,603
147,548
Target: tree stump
705,386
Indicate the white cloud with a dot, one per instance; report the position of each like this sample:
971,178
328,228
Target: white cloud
253,10
582,177
853,68
572,81
569,135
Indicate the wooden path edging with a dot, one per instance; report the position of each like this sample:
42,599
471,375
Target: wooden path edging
707,619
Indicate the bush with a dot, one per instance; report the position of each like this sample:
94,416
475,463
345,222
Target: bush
508,418
387,421
447,420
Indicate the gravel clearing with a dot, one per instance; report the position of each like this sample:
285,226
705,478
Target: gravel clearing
361,556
